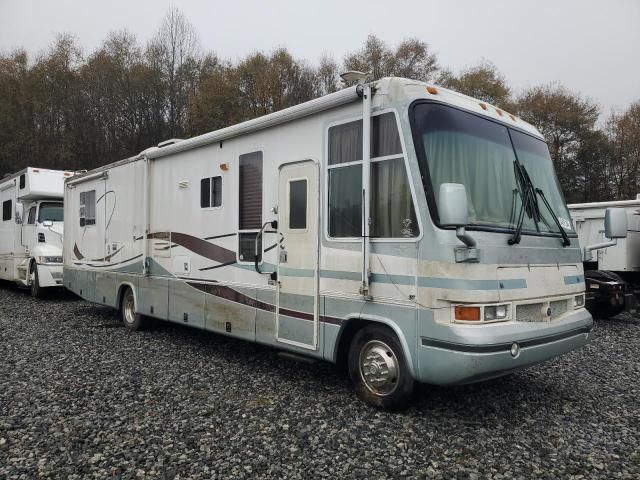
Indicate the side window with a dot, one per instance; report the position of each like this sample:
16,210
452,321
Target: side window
298,204
87,208
6,210
392,211
250,205
23,181
211,192
31,220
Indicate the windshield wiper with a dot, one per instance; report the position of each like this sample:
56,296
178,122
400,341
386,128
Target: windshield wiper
529,204
565,238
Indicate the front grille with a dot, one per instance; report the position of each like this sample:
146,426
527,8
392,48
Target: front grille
530,312
558,308
534,312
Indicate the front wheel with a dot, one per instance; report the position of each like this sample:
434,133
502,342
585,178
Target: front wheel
34,281
379,370
131,319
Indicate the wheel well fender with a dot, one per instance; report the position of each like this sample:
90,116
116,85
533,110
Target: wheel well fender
352,325
121,289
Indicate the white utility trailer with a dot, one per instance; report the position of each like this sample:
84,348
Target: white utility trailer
612,272
405,230
31,228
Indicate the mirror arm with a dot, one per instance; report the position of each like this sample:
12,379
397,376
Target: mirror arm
464,237
597,246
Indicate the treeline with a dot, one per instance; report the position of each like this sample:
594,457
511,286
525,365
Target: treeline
67,110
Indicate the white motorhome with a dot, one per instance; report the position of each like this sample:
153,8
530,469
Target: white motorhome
406,231
31,228
613,272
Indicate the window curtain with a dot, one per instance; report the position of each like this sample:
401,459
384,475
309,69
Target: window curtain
392,213
345,201
484,167
345,143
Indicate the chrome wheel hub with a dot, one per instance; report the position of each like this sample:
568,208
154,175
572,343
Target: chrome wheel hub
379,367
129,309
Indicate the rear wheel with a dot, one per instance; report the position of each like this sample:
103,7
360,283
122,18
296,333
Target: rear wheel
34,281
379,370
131,319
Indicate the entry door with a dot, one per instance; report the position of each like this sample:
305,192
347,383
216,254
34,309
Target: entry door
297,292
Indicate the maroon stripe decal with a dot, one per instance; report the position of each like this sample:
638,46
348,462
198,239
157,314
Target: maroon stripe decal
230,294
197,246
76,252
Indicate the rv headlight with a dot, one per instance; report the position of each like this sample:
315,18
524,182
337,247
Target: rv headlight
578,301
49,259
496,312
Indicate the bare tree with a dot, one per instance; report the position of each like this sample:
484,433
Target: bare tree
175,51
411,59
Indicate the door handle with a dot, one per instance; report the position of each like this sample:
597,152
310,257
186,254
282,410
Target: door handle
258,255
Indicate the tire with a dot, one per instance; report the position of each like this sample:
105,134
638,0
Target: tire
602,308
36,290
132,320
388,383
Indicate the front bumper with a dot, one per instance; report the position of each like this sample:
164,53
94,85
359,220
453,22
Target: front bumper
50,275
475,353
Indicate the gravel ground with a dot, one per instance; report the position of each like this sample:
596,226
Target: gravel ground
81,397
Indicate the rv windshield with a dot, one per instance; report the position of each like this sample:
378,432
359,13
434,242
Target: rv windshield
50,211
454,146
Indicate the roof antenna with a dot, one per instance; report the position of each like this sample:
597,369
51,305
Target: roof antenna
355,77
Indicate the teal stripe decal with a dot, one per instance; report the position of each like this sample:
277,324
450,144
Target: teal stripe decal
340,275
463,284
297,272
431,282
573,279
395,279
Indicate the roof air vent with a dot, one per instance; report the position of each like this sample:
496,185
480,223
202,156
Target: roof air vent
171,141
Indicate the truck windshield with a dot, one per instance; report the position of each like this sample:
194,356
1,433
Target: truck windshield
51,211
454,146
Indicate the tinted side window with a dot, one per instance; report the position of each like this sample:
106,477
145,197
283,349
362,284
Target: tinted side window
211,192
216,191
32,216
6,210
87,208
250,191
250,204
205,193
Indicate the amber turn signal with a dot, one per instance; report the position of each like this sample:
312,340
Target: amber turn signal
468,314
432,90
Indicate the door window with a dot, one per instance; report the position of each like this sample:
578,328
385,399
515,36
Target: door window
298,204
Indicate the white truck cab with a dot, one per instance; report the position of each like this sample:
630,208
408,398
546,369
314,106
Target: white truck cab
31,230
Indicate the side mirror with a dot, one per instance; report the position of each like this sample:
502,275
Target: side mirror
615,223
47,223
615,227
453,210
452,205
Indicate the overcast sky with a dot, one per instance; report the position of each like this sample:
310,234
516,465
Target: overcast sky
592,47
